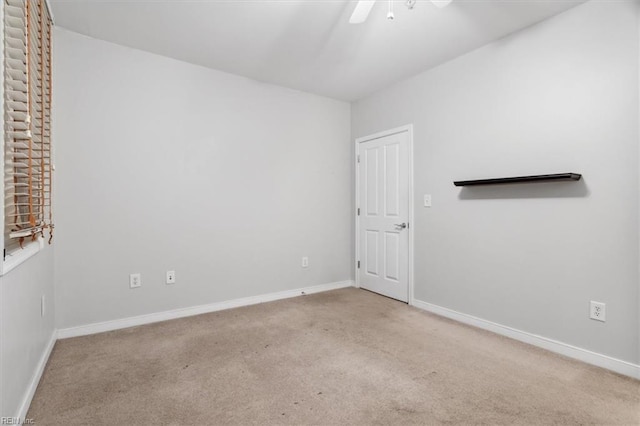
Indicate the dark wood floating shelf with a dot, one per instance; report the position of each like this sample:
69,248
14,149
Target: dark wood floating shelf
557,177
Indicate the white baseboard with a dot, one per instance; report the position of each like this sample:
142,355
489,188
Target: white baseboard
100,327
584,355
35,379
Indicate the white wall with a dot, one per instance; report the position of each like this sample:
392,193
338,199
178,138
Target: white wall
559,96
163,165
25,335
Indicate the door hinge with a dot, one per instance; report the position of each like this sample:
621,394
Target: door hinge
358,211
358,264
358,158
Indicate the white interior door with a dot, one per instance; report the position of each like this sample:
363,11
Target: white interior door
383,202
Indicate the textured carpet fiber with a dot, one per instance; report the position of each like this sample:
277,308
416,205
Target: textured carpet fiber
341,357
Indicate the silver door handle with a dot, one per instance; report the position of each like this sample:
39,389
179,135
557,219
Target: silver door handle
400,225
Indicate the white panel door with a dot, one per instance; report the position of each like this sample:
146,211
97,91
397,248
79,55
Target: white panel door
384,215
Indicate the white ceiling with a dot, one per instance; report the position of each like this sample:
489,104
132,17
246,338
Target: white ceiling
305,45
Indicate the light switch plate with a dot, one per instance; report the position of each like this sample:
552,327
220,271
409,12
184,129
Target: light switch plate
427,200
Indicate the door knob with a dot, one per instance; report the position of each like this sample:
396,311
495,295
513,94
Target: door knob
400,225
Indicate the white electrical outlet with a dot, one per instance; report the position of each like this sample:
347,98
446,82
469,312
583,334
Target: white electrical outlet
42,305
305,262
135,280
171,277
598,311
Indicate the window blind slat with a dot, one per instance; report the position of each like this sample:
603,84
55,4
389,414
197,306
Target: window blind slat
14,74
15,54
14,21
17,115
16,3
15,43
16,95
17,85
15,10
19,135
15,32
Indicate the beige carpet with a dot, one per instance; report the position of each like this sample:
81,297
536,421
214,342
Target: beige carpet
341,357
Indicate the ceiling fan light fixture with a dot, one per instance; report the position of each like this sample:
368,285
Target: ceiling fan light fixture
441,3
363,8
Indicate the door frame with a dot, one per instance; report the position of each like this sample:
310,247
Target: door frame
409,129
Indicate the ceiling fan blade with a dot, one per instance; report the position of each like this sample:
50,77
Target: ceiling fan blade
361,11
441,3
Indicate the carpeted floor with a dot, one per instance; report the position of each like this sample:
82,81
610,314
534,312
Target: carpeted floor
341,357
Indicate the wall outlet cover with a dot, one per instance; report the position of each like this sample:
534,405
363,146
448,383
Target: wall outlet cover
135,280
171,277
598,311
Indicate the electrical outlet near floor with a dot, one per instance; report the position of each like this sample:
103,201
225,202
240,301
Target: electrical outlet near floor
171,277
305,262
135,280
597,311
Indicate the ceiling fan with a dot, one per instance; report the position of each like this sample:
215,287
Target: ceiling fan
361,12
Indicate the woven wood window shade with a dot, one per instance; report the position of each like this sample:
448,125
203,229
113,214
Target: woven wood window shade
27,122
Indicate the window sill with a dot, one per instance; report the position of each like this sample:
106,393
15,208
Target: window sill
18,257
